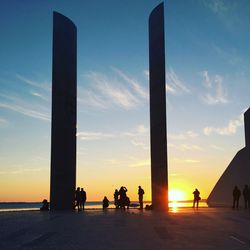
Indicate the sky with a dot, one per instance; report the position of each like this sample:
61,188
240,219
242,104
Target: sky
207,86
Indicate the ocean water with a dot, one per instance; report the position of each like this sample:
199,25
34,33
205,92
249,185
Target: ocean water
28,206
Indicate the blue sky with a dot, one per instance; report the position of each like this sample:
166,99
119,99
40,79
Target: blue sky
207,77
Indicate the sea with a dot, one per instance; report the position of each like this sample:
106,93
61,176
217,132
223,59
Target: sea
89,205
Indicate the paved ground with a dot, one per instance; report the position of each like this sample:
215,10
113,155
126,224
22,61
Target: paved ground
206,228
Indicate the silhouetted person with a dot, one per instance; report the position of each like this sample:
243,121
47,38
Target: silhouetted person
248,198
83,198
105,203
78,198
236,197
45,206
246,192
116,196
123,201
140,194
197,197
127,202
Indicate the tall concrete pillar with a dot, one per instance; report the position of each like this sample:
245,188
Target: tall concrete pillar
63,131
158,137
247,127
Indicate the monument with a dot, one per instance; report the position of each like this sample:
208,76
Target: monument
63,128
236,174
158,136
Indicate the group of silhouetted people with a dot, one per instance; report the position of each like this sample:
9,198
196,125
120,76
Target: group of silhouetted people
80,198
237,194
121,200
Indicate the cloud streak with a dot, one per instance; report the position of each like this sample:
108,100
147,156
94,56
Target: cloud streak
135,84
183,135
44,85
185,147
108,91
25,111
174,85
230,129
217,94
3,122
94,136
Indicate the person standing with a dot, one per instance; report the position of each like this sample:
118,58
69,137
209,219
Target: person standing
116,196
236,197
78,198
123,197
83,198
245,195
197,198
140,194
248,198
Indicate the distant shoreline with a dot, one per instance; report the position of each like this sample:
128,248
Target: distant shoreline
89,205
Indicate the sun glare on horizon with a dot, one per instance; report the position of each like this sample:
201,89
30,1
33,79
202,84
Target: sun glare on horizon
176,195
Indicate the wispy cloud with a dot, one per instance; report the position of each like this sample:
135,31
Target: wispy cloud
185,147
141,163
141,144
207,80
215,147
217,94
229,129
118,89
41,96
115,90
41,85
138,136
21,171
91,98
228,12
93,136
146,74
174,84
142,92
183,135
217,6
26,111
3,122
139,131
23,107
229,55
187,161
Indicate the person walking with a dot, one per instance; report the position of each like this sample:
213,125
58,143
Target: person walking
197,198
140,195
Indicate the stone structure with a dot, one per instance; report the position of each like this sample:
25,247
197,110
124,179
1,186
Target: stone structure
63,132
158,137
236,174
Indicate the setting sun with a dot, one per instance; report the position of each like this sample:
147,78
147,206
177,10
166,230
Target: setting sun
177,195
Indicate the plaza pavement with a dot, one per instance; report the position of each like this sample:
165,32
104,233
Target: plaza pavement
186,228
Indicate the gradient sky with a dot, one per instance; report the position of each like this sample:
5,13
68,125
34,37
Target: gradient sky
208,86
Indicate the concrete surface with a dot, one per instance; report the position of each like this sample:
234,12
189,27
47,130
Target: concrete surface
206,228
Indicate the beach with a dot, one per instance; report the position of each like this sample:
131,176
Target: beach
185,228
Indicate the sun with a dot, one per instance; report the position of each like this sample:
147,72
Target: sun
176,195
